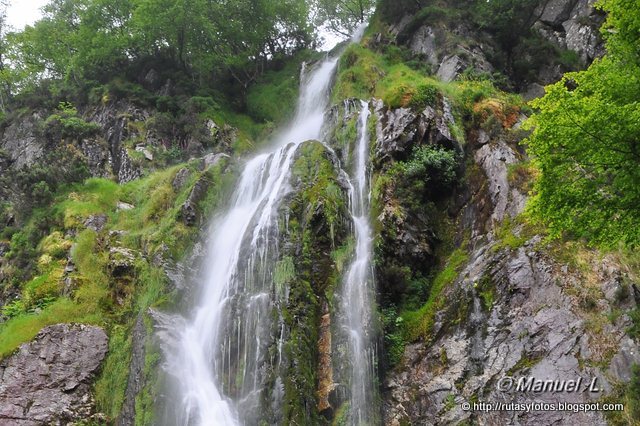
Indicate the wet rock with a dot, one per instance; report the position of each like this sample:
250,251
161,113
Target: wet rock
555,12
450,68
212,160
622,362
135,381
398,130
145,151
152,78
127,170
534,90
96,222
528,331
97,154
4,248
48,381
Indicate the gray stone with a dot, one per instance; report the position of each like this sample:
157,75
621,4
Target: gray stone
121,261
212,160
48,381
145,151
97,156
555,12
494,159
397,130
450,68
534,90
136,379
424,43
189,211
96,222
181,178
623,361
19,142
121,205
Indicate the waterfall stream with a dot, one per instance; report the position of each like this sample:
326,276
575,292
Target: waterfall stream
357,293
231,328
217,359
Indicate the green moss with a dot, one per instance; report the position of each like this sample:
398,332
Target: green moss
95,196
507,237
486,289
145,400
23,328
111,386
320,187
525,363
276,88
418,324
284,272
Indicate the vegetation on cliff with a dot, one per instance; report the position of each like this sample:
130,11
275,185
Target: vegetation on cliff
585,141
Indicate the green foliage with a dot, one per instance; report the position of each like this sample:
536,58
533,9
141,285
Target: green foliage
393,338
486,289
418,324
634,330
343,16
66,123
433,167
273,96
584,142
320,187
24,327
111,386
95,39
508,20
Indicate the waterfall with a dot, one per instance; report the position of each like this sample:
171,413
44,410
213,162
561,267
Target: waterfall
219,352
358,293
217,358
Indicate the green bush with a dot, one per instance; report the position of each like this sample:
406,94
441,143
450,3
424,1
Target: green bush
432,169
66,123
425,95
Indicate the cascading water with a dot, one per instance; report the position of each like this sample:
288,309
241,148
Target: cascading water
217,358
219,353
357,293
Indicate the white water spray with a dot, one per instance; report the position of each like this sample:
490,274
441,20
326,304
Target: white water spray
224,345
357,293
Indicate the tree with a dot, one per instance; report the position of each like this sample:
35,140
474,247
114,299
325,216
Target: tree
5,88
586,141
343,16
79,40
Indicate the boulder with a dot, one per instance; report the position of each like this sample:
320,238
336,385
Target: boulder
180,179
212,160
96,222
48,381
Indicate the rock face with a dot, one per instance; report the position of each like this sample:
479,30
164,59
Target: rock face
573,25
511,312
399,129
450,48
20,142
48,381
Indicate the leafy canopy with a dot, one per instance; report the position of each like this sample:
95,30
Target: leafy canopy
586,140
